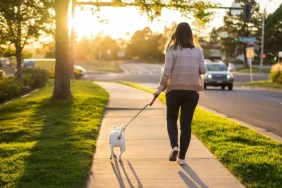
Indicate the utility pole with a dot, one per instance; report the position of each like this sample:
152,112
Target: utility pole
247,16
262,41
262,36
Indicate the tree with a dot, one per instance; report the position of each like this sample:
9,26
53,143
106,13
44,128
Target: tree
108,48
273,30
62,67
166,36
83,49
198,8
49,50
96,48
21,21
237,26
26,15
144,44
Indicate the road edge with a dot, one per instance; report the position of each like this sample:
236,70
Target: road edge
252,127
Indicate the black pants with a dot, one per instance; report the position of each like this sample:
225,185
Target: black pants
185,101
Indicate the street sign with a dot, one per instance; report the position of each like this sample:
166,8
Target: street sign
250,52
247,39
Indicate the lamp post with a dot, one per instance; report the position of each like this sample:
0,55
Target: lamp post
262,37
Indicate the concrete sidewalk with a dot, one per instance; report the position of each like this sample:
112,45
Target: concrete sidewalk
145,162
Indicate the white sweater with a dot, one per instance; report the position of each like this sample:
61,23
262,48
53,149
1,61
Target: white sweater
183,69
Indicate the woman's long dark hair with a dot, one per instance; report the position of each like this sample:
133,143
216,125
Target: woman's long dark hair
183,36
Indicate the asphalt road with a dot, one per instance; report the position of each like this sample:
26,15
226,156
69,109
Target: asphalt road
258,107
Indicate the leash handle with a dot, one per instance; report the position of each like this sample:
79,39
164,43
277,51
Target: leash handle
153,100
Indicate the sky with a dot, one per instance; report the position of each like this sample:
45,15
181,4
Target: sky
123,22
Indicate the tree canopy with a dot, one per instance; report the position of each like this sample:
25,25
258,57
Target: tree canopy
198,8
33,16
273,30
144,44
237,27
21,21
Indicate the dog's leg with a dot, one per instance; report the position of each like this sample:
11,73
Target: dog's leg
121,152
112,151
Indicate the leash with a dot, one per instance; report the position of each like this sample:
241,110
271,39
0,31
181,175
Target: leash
149,104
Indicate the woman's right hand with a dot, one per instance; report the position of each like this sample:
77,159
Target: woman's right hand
156,93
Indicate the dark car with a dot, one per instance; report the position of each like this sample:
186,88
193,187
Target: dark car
218,75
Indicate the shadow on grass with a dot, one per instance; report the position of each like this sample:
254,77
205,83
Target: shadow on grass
57,159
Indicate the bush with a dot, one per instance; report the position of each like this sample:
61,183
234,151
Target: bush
9,88
35,78
32,79
276,73
2,73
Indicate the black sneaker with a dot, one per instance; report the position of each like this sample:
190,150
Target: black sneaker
173,154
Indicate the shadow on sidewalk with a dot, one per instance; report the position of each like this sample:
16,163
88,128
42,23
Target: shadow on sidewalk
118,167
191,178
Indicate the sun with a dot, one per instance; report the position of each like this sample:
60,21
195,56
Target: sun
122,22
117,22
112,21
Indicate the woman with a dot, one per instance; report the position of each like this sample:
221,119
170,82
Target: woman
184,62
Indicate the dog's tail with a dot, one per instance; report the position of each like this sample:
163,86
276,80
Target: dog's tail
120,133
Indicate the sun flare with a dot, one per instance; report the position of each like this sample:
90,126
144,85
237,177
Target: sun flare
119,22
122,22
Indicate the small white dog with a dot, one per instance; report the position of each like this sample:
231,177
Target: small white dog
117,139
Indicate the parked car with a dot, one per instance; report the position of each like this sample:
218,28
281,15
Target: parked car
49,65
218,75
79,71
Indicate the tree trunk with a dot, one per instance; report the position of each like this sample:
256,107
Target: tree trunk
72,41
62,68
19,47
19,63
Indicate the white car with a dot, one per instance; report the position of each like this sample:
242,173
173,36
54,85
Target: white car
79,71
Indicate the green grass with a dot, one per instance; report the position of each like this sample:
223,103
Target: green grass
254,159
262,83
254,70
48,143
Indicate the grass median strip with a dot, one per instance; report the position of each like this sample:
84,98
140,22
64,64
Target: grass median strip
45,143
254,159
262,83
254,70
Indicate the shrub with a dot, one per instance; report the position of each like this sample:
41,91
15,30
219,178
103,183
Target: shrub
2,73
9,88
276,73
35,78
